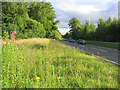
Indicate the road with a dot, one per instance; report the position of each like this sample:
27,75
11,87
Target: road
108,54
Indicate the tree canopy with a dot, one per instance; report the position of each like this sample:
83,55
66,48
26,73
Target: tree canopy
30,19
108,30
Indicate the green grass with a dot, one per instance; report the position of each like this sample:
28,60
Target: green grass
115,46
0,69
56,64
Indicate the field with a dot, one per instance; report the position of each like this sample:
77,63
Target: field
47,63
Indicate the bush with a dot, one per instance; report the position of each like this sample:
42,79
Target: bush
34,29
55,34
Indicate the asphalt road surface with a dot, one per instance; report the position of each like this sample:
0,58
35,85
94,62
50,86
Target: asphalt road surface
109,54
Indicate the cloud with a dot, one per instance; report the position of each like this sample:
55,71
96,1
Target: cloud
60,17
80,0
63,24
63,21
76,8
63,30
119,10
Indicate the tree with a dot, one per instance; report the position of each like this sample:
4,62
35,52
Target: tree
33,19
92,31
118,31
100,29
108,30
87,30
67,35
43,12
74,24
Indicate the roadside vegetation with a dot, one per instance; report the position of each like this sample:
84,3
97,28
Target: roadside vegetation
109,45
31,20
105,30
47,63
31,60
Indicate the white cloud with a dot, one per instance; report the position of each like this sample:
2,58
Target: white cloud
63,30
63,24
119,10
62,17
77,8
63,21
104,1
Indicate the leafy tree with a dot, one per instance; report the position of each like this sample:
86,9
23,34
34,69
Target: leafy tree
92,31
87,30
32,19
74,24
55,35
118,31
100,29
67,35
106,30
111,29
43,12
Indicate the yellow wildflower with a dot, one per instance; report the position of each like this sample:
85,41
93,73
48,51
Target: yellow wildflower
37,78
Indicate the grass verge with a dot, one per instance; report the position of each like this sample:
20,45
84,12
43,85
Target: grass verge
46,63
114,46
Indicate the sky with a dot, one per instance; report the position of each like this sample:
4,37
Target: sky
83,10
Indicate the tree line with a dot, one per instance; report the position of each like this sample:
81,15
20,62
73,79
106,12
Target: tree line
35,19
106,30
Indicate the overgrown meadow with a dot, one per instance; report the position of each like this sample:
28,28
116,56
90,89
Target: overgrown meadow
47,63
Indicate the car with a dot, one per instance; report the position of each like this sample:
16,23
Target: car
66,39
81,41
63,39
72,40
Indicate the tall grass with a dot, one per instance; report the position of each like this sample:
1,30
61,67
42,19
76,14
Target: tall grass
46,63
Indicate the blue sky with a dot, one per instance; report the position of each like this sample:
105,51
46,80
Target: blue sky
83,10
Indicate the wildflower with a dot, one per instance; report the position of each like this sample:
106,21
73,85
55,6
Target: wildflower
12,33
7,34
11,42
2,44
1,41
37,78
86,64
15,32
59,77
15,43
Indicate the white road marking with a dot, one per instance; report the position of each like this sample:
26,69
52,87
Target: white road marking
100,49
103,50
82,45
95,48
